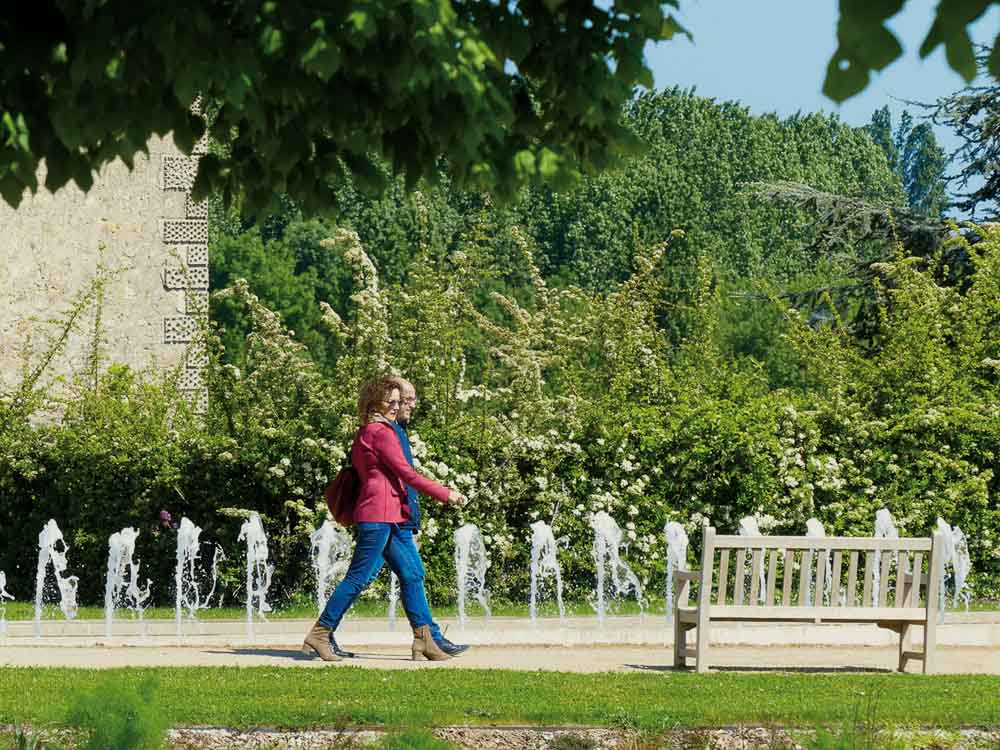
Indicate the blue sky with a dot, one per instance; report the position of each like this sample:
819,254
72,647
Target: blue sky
771,55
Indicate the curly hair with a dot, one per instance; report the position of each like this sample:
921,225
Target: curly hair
372,394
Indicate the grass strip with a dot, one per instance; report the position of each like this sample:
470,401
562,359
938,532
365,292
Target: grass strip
300,698
22,611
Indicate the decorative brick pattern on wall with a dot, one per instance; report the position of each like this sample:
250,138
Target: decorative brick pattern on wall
179,173
186,239
141,223
179,329
186,277
197,255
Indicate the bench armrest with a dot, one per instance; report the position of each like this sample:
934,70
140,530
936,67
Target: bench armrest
682,585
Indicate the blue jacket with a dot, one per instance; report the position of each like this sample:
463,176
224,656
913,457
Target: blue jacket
411,494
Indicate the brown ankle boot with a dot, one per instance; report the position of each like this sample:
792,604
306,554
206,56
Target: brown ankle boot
318,640
424,645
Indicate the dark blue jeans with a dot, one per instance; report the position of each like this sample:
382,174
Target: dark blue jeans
376,543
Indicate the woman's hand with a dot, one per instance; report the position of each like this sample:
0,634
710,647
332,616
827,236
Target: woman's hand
457,498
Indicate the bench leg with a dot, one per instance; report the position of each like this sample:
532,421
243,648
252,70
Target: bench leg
904,646
701,650
680,642
930,643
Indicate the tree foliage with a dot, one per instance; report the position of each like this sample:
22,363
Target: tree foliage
914,155
700,157
302,94
973,114
586,405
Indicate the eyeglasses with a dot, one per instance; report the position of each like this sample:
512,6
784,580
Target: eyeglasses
412,401
394,404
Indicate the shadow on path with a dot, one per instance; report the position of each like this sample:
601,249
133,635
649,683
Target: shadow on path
297,655
805,670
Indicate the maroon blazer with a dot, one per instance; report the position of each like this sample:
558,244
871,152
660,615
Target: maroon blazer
385,472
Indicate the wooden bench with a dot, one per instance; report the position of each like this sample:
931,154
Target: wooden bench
895,592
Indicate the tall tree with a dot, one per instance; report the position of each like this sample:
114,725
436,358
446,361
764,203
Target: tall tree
914,154
700,155
303,93
974,115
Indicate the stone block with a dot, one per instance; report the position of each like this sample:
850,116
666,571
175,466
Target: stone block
179,172
197,255
186,278
179,329
185,231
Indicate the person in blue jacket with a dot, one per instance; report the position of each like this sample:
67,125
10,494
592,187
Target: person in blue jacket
410,527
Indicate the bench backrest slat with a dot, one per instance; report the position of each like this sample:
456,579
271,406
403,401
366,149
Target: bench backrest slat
787,570
852,580
917,576
756,572
836,600
902,586
805,573
741,562
866,593
820,580
723,575
772,574
883,582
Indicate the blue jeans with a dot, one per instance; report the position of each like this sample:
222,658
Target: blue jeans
376,543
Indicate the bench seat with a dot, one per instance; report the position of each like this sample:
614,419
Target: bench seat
733,613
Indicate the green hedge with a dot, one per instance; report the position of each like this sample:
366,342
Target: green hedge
584,405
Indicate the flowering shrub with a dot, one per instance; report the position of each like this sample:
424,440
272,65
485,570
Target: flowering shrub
553,404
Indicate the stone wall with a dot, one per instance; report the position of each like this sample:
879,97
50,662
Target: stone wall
141,223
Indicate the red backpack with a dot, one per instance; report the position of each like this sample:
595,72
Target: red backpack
342,495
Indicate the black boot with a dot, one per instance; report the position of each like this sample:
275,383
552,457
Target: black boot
338,650
452,649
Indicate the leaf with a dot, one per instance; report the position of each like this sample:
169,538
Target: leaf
548,163
59,53
11,190
645,77
863,44
993,63
211,173
271,40
524,164
113,69
58,168
961,55
322,60
950,28
363,23
237,88
671,28
844,78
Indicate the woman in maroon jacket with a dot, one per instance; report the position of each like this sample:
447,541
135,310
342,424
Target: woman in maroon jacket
380,510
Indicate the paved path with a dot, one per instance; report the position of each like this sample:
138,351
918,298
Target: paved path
601,658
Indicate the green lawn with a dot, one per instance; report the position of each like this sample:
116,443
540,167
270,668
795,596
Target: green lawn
298,697
362,608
